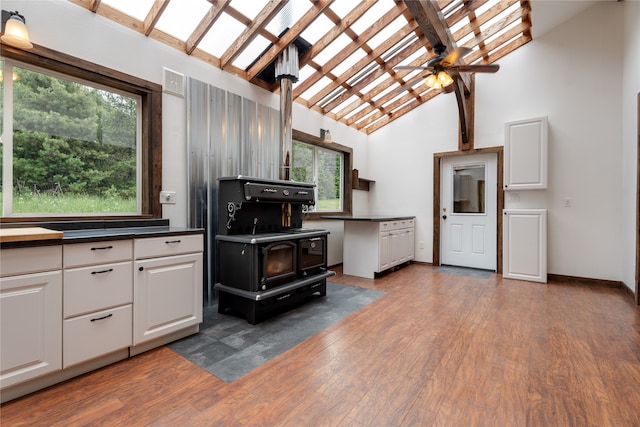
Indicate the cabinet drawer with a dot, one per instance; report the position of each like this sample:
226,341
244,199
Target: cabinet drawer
30,260
93,288
96,334
386,226
79,254
168,245
404,223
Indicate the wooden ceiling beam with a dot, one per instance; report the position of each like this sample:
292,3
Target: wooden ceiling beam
252,30
334,32
365,62
369,33
496,28
467,8
94,5
368,97
434,27
288,38
382,69
483,18
154,15
205,24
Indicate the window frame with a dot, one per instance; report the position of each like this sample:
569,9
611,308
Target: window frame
151,123
347,153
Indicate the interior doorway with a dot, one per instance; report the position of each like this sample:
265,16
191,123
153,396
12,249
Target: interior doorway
463,198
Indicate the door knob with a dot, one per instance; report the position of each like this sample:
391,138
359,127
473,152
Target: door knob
444,217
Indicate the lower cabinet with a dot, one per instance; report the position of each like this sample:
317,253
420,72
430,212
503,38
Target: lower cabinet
396,247
168,295
31,328
375,246
71,308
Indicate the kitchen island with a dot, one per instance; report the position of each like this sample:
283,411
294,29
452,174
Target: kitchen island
376,243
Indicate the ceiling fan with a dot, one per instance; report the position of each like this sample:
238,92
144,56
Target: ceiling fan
441,68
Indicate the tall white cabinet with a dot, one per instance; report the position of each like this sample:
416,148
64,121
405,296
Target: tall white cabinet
526,148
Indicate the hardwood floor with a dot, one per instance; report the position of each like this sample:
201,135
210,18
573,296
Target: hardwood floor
436,350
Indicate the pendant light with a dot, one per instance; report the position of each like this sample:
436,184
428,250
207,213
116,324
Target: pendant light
16,33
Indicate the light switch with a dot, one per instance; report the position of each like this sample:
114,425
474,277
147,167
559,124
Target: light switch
168,197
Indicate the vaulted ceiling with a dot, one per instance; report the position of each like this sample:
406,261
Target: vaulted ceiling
348,49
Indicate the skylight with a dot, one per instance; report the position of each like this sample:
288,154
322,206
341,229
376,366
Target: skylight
349,72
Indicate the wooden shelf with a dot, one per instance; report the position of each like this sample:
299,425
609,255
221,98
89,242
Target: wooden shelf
358,183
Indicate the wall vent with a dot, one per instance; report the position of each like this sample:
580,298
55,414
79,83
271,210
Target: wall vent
173,83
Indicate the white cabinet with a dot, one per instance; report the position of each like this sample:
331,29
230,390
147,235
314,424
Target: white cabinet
30,313
98,298
525,244
525,154
168,285
375,246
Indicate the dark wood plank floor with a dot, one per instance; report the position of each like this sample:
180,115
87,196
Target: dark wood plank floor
436,350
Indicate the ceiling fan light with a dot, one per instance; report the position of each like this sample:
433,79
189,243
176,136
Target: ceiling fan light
444,79
432,81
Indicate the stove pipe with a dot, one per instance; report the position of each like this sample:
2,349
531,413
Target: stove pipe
287,73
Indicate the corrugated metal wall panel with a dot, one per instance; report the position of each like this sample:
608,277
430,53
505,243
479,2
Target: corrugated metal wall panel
227,135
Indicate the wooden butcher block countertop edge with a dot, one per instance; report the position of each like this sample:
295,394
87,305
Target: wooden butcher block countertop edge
27,234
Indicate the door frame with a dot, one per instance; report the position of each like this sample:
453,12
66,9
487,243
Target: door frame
437,164
637,293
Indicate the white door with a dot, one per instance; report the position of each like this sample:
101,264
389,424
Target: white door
468,204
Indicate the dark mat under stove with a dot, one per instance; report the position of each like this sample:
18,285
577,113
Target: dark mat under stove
229,347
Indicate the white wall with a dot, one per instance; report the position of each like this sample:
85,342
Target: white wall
555,75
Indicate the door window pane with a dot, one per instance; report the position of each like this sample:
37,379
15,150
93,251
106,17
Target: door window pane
468,189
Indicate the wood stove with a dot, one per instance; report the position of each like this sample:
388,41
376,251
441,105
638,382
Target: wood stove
267,262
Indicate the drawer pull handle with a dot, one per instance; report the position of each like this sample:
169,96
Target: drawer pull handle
168,242
102,271
102,318
102,248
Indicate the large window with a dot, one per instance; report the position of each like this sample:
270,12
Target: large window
328,167
72,147
78,140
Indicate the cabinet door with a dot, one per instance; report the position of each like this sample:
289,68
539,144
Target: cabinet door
384,244
525,154
31,326
411,243
167,295
395,244
525,244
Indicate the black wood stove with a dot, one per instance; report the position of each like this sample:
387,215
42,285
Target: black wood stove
267,262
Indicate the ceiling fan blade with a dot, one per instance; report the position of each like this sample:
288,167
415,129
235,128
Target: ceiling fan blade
454,56
488,68
410,67
411,83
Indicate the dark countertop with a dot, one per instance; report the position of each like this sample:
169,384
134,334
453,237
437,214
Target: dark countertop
371,218
95,231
